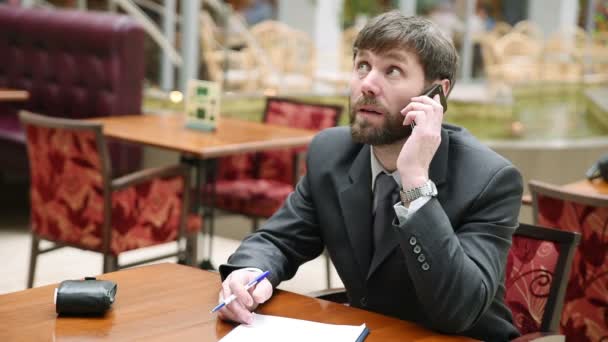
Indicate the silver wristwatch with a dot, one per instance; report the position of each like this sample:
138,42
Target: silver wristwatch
427,189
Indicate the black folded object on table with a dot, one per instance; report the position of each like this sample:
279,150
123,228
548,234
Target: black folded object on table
599,169
85,297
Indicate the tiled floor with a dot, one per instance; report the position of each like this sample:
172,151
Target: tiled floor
71,263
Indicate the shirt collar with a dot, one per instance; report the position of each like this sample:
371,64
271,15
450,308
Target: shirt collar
377,168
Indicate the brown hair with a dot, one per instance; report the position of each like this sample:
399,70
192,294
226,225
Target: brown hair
393,30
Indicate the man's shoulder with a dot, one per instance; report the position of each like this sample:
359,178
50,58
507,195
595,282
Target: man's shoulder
334,139
464,146
333,145
338,134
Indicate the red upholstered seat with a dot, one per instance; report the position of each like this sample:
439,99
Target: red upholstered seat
256,185
254,197
74,202
585,314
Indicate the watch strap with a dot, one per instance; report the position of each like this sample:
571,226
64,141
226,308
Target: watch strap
409,195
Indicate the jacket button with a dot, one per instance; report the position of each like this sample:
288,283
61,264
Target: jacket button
363,301
413,241
421,258
417,249
425,267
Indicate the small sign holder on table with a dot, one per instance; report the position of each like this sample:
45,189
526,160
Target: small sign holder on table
202,105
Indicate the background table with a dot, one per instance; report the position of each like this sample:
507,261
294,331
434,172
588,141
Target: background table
170,302
232,135
594,187
200,149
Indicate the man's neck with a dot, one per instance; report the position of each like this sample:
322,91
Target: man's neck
387,154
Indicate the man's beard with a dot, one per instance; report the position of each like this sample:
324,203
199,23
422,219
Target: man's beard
363,131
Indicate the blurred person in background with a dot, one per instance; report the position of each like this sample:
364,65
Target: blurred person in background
444,16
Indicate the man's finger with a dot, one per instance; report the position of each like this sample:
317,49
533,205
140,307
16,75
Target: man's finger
241,313
225,290
416,116
226,315
241,294
232,313
435,102
417,106
262,291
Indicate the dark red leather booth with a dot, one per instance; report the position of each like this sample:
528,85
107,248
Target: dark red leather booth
74,64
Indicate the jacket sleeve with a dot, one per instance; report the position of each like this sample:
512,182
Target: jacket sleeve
287,240
464,264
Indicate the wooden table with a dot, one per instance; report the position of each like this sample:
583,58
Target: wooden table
8,95
232,135
199,148
170,302
594,187
584,186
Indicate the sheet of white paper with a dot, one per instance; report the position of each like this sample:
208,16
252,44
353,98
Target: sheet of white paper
273,328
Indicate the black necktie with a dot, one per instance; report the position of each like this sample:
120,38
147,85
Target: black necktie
384,195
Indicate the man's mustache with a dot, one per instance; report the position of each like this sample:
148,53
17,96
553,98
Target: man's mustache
369,101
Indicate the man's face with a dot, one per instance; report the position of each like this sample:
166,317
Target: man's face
381,86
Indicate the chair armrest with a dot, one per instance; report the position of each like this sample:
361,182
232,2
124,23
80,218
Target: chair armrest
147,175
336,295
541,337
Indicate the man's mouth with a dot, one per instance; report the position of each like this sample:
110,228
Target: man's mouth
370,110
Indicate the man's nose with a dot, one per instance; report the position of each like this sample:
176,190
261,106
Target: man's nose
370,85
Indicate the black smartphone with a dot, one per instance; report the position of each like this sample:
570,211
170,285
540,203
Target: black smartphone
434,90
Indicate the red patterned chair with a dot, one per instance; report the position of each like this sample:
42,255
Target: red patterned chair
585,315
536,275
538,265
75,203
74,64
256,185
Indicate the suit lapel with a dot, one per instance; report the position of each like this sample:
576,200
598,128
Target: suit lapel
390,239
356,204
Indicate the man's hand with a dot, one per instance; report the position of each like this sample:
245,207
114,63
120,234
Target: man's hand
416,154
246,301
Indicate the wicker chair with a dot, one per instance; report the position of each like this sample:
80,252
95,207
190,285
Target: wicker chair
291,55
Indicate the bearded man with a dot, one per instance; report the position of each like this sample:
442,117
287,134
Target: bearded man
417,219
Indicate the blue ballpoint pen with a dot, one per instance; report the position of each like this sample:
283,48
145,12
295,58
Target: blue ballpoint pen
247,287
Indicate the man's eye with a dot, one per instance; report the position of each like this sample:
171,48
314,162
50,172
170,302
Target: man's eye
362,68
394,72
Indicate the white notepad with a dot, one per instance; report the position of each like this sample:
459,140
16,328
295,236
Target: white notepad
273,328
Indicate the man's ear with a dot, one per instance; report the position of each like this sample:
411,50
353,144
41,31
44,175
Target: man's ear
446,85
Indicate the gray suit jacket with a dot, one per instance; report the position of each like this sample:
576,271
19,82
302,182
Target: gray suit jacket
464,234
